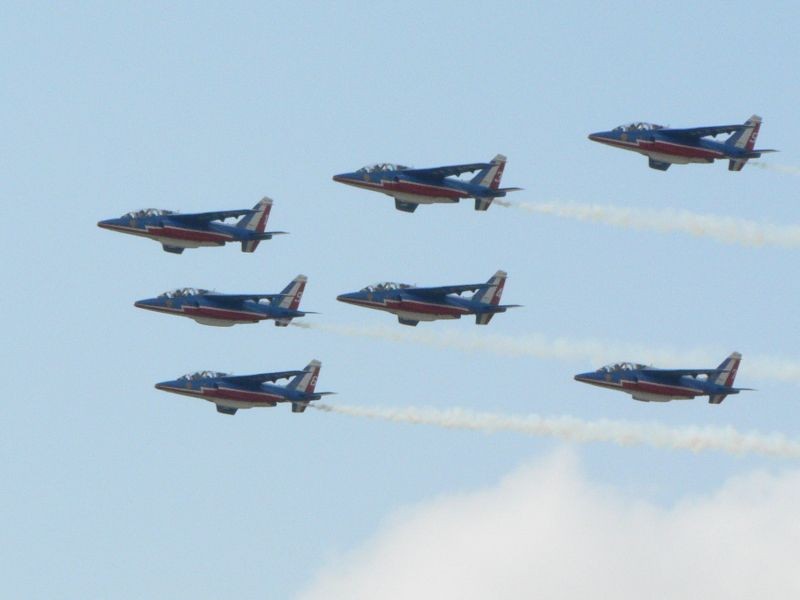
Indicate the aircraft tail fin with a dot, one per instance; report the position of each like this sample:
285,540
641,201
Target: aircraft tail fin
307,380
490,176
726,376
744,140
290,298
492,290
255,222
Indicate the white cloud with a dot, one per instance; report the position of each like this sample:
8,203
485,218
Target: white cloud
547,532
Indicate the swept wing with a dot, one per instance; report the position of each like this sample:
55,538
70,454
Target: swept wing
235,298
441,291
260,377
446,171
698,132
203,218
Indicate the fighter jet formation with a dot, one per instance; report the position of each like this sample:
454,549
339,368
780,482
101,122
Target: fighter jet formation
410,303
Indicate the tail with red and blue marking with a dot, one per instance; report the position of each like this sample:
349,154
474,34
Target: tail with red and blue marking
489,294
290,298
305,382
489,177
745,141
256,223
726,376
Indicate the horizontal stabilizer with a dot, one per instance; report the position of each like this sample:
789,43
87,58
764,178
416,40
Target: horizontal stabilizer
510,189
268,235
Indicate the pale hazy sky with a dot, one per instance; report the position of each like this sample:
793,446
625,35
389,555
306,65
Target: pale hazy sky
113,489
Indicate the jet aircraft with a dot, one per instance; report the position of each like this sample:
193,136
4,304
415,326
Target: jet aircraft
232,392
665,146
414,304
176,231
412,187
649,384
224,310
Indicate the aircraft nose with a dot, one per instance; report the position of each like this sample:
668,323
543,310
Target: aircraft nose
584,377
149,303
346,298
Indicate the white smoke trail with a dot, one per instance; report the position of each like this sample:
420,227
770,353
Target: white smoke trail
623,433
722,229
593,352
786,169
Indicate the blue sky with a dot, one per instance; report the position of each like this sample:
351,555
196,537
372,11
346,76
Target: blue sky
115,489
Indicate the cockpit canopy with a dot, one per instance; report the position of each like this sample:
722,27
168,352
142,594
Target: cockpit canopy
202,375
183,292
149,212
387,286
639,127
382,167
624,366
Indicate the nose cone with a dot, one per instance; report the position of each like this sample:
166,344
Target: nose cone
108,223
586,377
350,298
149,303
347,178
604,137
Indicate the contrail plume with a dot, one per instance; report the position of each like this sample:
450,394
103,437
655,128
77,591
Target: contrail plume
728,230
592,351
789,170
572,429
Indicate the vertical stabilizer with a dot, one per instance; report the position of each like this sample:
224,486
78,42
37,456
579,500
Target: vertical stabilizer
726,376
489,177
306,381
291,296
744,141
255,222
492,290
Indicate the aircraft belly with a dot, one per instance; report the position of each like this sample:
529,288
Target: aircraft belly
436,193
678,154
659,390
426,308
415,316
188,238
419,199
645,397
220,317
238,398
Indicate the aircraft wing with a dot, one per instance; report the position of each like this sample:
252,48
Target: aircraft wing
203,218
679,372
699,132
260,377
436,292
231,298
442,172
